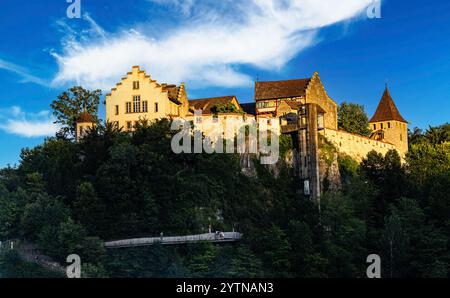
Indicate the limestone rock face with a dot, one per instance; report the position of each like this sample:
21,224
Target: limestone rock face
247,165
330,176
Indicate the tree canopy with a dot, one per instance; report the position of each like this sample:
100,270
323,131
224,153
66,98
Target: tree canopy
69,197
70,104
352,118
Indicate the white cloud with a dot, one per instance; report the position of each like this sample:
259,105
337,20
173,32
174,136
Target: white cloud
185,6
209,45
95,27
15,121
22,72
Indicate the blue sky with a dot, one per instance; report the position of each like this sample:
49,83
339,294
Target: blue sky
220,48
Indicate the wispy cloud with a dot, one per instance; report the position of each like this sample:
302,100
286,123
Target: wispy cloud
24,73
185,6
97,29
15,121
211,44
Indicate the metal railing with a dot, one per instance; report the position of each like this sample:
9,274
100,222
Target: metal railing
173,240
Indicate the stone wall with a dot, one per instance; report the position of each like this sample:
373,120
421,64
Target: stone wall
354,145
316,94
226,125
395,132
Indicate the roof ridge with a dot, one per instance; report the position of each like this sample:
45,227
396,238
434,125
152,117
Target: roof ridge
216,97
290,80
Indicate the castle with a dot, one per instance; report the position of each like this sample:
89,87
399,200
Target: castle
301,107
138,97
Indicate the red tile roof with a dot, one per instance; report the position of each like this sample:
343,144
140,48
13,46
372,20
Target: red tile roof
205,104
387,110
85,117
281,89
173,91
293,104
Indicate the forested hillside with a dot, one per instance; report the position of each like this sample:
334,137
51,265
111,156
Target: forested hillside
68,197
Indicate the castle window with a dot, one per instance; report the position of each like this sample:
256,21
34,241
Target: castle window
129,126
136,104
156,107
128,107
389,124
136,85
381,125
81,131
374,127
145,106
401,137
117,110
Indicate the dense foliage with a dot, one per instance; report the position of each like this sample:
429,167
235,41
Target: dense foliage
434,135
70,104
352,118
69,197
225,108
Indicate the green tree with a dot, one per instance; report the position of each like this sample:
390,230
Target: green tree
425,161
344,236
352,118
437,135
415,136
244,264
202,259
70,104
89,209
45,211
275,249
71,237
9,211
225,108
58,161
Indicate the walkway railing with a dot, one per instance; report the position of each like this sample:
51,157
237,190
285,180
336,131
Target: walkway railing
209,237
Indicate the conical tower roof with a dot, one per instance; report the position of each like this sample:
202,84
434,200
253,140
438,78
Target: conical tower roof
85,117
387,110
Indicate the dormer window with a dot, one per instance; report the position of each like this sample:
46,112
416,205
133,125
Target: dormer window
136,85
